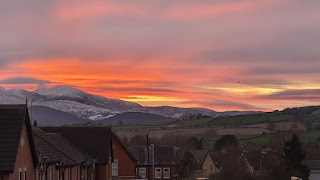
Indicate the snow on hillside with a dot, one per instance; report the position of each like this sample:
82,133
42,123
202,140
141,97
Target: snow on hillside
81,110
24,94
8,98
60,91
88,106
72,94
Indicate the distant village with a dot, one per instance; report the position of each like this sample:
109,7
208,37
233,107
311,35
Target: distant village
30,152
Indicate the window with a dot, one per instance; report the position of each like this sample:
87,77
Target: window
21,173
142,172
115,168
166,172
158,173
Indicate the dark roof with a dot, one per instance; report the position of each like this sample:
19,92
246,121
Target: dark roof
55,147
96,141
225,159
164,155
200,157
12,119
312,164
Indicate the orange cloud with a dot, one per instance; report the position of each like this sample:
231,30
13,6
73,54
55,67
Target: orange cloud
114,79
170,83
96,9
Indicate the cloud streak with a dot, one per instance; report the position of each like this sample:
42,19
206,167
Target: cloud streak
296,94
23,80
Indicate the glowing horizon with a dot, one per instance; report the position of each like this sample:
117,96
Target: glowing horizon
221,55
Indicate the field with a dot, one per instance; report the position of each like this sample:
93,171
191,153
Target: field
257,128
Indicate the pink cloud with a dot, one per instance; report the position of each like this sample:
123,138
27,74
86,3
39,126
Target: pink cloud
96,9
199,11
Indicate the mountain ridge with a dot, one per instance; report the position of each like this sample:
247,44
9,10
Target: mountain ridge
94,107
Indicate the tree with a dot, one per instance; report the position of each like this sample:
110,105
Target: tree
233,165
187,165
228,142
195,143
290,163
293,157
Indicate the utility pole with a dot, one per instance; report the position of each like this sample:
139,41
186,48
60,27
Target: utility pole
31,112
148,156
152,146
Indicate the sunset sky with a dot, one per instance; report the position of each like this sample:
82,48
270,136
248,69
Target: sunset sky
217,54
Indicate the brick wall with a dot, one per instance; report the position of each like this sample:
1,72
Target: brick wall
24,162
70,173
102,172
126,165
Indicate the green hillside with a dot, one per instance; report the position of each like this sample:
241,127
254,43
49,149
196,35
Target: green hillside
309,116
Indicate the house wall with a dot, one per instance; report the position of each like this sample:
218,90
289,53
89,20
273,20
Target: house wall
126,165
52,173
208,167
103,172
24,162
173,171
4,176
70,173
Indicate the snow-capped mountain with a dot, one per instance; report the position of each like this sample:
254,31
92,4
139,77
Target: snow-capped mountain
8,98
89,106
72,94
70,100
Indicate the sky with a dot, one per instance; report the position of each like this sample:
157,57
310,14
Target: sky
218,54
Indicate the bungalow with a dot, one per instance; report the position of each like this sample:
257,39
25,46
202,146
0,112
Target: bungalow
18,157
163,162
61,159
96,141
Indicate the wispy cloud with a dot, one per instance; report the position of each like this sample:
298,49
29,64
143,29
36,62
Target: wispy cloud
98,9
194,11
24,80
296,95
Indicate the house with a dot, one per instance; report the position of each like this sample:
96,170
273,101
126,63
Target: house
163,162
18,157
124,163
61,159
96,141
205,166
